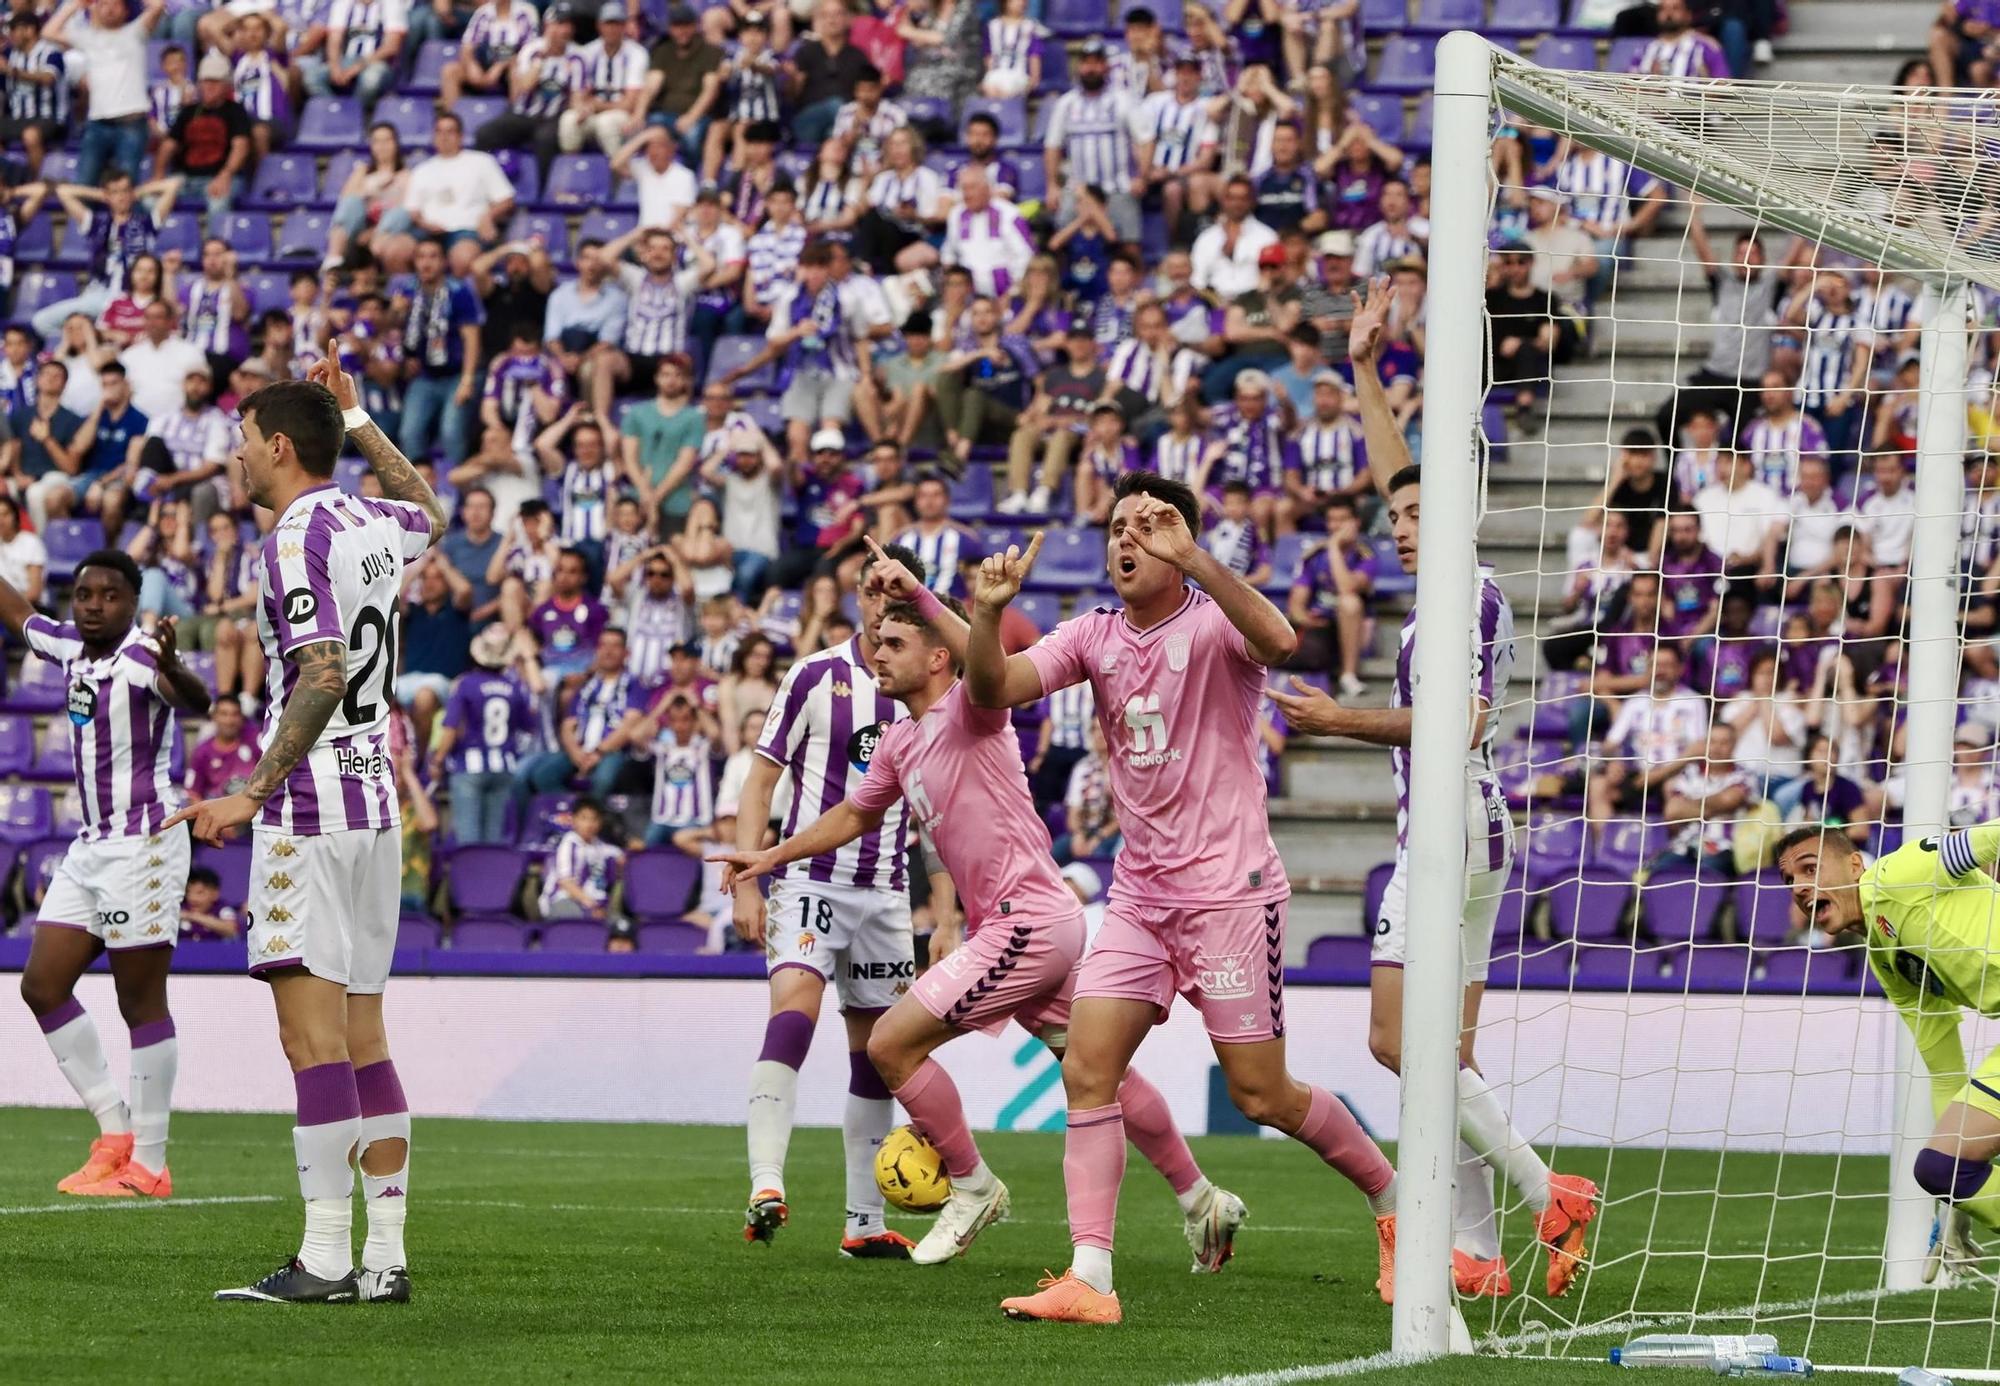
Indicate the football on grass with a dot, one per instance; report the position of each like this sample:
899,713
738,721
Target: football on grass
911,1172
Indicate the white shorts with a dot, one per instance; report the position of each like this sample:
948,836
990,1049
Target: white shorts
856,938
1482,908
328,903
125,892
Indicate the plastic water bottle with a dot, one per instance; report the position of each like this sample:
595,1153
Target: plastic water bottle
1699,1350
1917,1376
1765,1366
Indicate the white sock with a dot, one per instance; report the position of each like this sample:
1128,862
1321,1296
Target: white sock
1484,1125
863,1128
80,1056
1472,1225
1092,1265
978,1181
1192,1198
774,1093
1384,1203
153,1068
386,1197
326,1182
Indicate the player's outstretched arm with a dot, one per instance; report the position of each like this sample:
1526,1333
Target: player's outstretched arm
1163,532
832,830
896,582
992,676
15,609
1966,850
322,683
1388,452
400,481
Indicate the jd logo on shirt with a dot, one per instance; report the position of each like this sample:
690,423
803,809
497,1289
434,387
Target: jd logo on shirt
300,605
82,702
861,746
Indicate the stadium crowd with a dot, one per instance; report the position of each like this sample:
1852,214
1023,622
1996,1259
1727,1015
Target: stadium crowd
675,306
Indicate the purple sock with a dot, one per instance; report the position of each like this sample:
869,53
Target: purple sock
379,1089
60,1016
862,1079
152,1032
327,1094
787,1036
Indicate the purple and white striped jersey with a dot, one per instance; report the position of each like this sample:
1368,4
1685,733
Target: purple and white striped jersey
1177,458
1776,448
114,248
36,100
942,553
500,29
1252,452
1069,711
823,728
592,865
1179,132
1693,54
493,719
829,347
657,309
208,318
868,131
121,733
586,500
367,24
652,629
194,440
683,781
1831,342
1489,840
558,77
1329,456
995,244
260,86
774,258
1161,377
510,379
1236,545
613,76
1096,133
1010,43
333,569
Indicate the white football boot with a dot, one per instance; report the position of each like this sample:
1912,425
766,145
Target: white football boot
1211,1229
964,1216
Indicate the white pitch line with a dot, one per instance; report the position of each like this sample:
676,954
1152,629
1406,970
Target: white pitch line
1626,1323
1957,1373
101,1205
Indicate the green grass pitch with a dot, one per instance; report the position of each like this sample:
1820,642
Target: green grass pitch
584,1253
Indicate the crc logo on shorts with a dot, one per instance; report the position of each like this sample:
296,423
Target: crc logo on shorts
861,746
82,702
1177,652
300,606
1225,978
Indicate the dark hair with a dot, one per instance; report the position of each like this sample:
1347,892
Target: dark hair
118,561
589,243
1411,475
931,478
588,803
1139,14
982,118
903,555
817,253
868,72
763,132
305,412
450,115
579,555
1342,503
469,492
385,125
111,368
204,875
525,331
1798,837
1236,488
1634,439
531,508
52,361
783,185
739,662
116,175
1305,334
1245,180
11,504
219,699
892,445
1175,493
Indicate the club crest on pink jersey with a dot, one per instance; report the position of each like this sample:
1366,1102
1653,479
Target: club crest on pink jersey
1177,652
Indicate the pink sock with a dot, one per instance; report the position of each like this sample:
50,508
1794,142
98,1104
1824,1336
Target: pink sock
1337,1138
931,1099
1151,1127
1093,1168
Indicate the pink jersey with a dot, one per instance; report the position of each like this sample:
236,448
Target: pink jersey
1178,708
959,771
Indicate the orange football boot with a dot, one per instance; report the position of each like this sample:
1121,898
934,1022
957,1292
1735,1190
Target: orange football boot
133,1181
1477,1279
109,1153
1385,1258
1064,1299
766,1215
1572,1204
883,1246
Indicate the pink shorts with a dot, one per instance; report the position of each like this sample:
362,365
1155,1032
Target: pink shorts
1009,970
1227,960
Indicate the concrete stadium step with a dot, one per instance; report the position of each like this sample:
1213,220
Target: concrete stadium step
1346,772
1318,837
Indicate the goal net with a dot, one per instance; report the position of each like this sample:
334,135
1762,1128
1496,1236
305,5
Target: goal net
1718,360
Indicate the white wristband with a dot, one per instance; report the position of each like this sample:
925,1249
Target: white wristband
355,418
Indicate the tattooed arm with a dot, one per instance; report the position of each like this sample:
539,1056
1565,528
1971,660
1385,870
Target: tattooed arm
400,480
322,682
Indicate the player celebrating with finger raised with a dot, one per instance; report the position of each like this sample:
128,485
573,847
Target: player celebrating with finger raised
958,769
118,887
326,852
1563,1204
1198,896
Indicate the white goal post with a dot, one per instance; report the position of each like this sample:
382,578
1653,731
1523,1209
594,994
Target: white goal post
1781,155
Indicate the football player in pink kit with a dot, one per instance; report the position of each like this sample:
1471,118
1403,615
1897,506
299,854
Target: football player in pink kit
958,769
1198,894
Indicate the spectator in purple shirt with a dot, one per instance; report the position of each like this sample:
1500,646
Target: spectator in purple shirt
1329,601
1958,42
1720,664
220,765
1622,659
487,722
1692,576
569,622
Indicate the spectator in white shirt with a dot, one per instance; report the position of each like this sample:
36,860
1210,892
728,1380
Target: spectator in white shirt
750,475
116,130
612,105
1818,517
1225,255
158,363
666,186
1889,517
459,196
1743,520
1655,733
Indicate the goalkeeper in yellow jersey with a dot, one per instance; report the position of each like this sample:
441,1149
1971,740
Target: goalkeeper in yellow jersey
1930,913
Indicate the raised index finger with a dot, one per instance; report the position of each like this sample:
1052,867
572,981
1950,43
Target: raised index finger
1034,548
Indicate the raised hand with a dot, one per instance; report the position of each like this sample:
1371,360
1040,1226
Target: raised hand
1001,574
167,656
327,371
215,819
1306,709
1162,531
1371,319
740,868
889,576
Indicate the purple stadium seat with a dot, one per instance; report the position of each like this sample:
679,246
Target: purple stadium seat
1384,16
485,880
578,180
1525,17
414,931
1076,18
551,227
1680,907
600,225
1372,891
40,288
671,938
1764,911
1390,579
26,814
573,936
1511,922
249,235
1406,65
1420,124
1562,53
303,238
1589,905
1718,968
1624,52
338,165
1344,955
1043,608
972,494
733,351
1438,16
1554,849
73,252
52,760
1611,966
35,243
1288,555
490,934
38,864
428,73
1808,971
1012,115
1070,558
39,689
59,166
764,412
17,743
1626,846
1031,182
266,290
659,884
231,863
1579,12
475,111
181,232
1539,966
1056,77
410,116
284,180
328,123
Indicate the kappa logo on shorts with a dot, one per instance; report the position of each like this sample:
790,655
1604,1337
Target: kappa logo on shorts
279,882
153,883
156,861
152,907
279,915
153,930
153,841
282,848
1177,652
278,944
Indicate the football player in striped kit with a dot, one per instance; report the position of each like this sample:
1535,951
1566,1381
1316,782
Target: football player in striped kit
326,848
843,916
118,887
